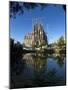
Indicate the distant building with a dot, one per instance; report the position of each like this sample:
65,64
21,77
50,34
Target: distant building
37,37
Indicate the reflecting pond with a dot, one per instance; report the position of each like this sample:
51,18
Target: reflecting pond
40,69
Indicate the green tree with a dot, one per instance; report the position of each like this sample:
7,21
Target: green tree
19,7
61,41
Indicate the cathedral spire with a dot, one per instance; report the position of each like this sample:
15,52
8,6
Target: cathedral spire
35,24
35,20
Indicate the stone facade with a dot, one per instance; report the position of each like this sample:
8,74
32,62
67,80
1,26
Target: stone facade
37,37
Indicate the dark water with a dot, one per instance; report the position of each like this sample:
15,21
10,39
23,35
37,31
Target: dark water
40,69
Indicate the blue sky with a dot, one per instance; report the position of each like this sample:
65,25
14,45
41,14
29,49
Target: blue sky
53,20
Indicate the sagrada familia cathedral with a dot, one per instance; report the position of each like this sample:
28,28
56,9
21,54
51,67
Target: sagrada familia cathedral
37,37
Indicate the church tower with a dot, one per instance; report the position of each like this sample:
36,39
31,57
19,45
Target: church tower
40,37
37,38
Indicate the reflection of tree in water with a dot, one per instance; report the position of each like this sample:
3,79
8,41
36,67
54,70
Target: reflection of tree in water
60,59
42,76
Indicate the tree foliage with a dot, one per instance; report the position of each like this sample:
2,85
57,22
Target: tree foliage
61,41
19,7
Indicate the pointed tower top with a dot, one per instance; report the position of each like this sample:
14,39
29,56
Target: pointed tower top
35,20
40,21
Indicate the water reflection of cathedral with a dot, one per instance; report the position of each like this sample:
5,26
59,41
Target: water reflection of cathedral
36,37
45,70
38,61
